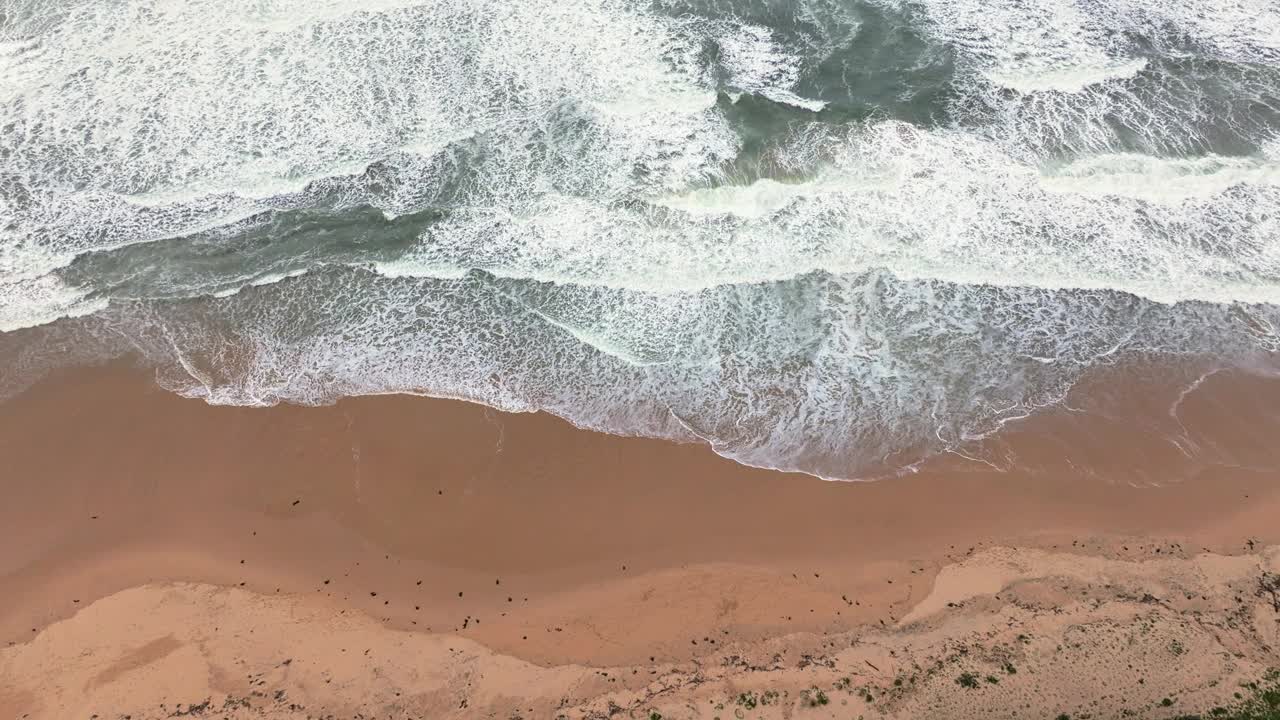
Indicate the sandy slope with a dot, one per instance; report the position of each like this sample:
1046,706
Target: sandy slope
1039,632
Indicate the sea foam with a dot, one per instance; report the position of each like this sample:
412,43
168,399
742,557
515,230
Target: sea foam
673,220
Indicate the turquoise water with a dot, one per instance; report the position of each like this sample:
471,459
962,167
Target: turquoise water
822,235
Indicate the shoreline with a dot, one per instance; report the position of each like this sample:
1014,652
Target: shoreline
544,545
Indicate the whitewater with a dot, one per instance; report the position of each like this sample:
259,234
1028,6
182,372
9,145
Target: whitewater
832,236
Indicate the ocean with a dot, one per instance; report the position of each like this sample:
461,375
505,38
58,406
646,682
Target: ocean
839,237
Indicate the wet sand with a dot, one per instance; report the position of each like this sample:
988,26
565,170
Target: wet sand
162,552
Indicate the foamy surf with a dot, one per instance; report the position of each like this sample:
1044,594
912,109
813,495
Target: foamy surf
1162,181
1065,79
834,238
41,300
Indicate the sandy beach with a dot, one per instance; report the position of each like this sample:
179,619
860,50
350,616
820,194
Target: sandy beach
643,359
401,556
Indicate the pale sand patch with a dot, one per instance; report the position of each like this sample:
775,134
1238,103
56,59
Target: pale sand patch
1098,643
1000,568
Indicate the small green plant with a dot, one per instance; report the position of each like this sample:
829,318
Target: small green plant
814,697
1009,669
748,700
1261,703
992,679
1269,589
1166,702
1064,716
1177,648
967,680
654,715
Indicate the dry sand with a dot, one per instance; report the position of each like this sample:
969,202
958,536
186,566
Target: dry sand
410,557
